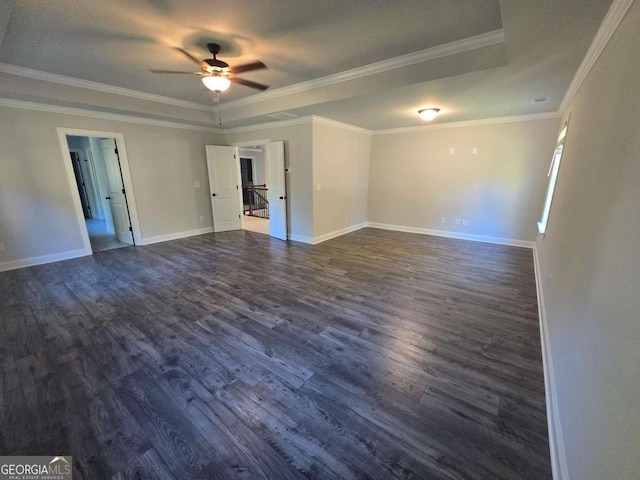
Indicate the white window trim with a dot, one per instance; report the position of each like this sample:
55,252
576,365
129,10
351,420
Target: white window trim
554,168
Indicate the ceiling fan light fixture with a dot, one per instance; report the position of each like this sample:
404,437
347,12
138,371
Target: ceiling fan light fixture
216,83
428,114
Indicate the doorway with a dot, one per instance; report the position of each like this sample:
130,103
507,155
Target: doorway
225,179
102,189
255,203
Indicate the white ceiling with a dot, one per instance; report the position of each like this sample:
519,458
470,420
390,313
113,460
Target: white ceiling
523,49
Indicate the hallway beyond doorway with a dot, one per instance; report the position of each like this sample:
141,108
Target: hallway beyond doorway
256,224
100,239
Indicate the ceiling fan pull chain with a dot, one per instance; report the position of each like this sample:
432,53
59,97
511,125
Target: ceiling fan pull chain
219,114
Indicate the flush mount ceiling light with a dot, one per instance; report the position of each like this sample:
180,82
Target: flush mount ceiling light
428,113
216,83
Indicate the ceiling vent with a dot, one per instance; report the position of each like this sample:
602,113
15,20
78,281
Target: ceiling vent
282,116
540,100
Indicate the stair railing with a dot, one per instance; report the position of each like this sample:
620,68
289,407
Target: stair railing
254,198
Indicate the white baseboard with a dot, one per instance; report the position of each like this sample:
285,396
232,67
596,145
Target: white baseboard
176,235
337,233
300,238
461,236
53,257
556,442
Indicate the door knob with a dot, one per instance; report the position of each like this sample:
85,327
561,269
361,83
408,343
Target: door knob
282,198
107,198
213,194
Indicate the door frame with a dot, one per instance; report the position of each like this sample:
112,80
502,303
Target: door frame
249,143
126,178
263,143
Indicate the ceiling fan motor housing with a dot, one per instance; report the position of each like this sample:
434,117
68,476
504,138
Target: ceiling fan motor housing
215,63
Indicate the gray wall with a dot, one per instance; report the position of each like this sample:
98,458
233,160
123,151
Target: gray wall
299,157
341,168
335,157
590,268
37,215
414,181
405,179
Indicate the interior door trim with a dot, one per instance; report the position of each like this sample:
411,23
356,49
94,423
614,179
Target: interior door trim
126,176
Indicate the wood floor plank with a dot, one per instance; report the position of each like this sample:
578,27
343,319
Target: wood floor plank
148,466
234,355
170,431
245,453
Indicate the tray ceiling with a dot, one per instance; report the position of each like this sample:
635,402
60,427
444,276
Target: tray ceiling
534,50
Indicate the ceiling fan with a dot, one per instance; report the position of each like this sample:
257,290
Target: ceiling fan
216,74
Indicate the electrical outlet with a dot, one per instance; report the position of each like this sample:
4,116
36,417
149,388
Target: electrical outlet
457,221
451,151
196,184
443,220
475,150
319,186
464,222
346,218
201,218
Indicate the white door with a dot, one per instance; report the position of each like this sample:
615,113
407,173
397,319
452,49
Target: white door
224,173
116,196
277,194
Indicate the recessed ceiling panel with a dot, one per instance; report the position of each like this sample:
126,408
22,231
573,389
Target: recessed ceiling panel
117,42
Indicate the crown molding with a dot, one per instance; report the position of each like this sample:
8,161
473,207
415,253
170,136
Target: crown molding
470,123
42,107
609,25
452,48
98,87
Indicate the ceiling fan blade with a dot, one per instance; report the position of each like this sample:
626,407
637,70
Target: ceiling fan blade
188,55
247,67
248,83
175,71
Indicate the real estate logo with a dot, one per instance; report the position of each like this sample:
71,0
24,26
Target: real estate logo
35,468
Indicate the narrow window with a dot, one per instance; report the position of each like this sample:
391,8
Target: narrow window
553,178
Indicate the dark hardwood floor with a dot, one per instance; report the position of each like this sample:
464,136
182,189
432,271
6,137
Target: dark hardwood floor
374,355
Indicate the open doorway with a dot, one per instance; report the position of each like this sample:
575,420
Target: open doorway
225,178
100,180
255,202
93,183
